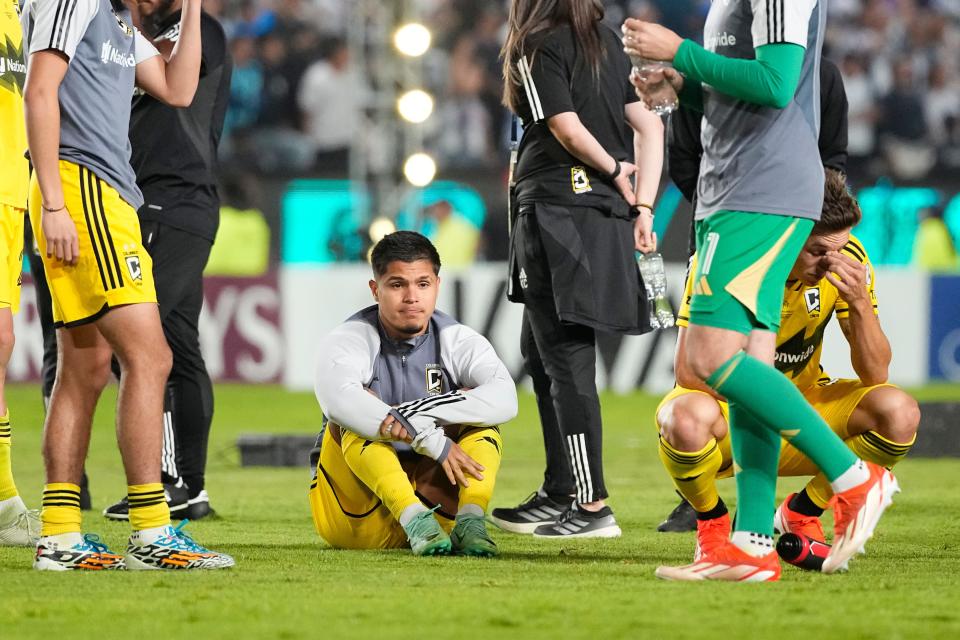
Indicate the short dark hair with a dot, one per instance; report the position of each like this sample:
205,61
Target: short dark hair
405,246
841,211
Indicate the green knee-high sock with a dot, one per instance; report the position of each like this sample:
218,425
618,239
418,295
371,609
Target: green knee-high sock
756,455
778,405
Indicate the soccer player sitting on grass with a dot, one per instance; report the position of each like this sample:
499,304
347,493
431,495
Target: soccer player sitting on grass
412,400
875,419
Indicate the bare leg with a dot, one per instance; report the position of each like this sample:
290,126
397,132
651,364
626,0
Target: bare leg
135,334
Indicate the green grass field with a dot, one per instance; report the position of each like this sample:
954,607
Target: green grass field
289,585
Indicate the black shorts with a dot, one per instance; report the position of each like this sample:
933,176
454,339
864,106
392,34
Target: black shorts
579,260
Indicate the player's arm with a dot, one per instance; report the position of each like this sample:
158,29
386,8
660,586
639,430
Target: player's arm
547,85
648,157
870,352
489,396
770,79
53,40
175,81
343,370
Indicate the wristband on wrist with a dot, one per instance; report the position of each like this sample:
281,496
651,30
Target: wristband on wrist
636,208
54,210
616,171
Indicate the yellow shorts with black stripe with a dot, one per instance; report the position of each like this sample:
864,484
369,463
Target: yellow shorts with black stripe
348,515
835,401
11,256
113,268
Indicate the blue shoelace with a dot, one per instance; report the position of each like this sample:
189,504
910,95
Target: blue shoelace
92,542
181,540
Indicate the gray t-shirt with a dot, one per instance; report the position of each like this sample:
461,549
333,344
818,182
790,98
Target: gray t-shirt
103,52
758,158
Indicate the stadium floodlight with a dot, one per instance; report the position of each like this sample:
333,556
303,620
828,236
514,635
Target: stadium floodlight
420,169
381,227
412,39
415,106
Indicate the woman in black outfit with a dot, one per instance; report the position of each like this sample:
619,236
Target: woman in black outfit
577,221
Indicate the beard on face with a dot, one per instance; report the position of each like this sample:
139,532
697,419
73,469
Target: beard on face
152,22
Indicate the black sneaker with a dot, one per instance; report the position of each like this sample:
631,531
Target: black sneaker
176,500
682,518
199,507
538,509
579,523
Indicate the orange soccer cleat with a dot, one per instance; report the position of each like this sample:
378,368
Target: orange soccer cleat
787,520
711,534
856,512
726,562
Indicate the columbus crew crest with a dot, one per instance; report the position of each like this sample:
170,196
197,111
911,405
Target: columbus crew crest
812,298
134,268
434,379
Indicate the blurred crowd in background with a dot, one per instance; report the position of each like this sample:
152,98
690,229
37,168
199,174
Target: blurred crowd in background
299,99
294,78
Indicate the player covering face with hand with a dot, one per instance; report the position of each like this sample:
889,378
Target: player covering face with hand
876,420
759,193
412,401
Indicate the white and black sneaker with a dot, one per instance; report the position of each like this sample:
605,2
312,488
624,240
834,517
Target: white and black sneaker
199,507
537,510
579,523
177,499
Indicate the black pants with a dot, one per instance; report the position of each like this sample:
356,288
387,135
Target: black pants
178,262
561,358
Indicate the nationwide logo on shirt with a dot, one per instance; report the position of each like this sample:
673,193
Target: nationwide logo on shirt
716,40
13,72
110,54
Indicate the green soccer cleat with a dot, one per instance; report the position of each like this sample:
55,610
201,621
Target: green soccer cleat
470,537
426,536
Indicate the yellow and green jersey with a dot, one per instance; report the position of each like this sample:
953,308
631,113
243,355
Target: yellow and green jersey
14,175
804,316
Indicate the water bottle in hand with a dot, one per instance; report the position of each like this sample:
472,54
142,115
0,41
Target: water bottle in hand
661,97
655,282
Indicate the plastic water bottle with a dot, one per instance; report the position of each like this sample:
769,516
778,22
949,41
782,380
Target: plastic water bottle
655,282
661,98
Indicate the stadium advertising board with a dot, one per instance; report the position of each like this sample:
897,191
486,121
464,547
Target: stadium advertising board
316,299
944,353
239,331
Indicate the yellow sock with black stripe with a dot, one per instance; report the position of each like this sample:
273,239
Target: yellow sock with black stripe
378,467
870,446
148,506
694,473
60,512
484,445
7,487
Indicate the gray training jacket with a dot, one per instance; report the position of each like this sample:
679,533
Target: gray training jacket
418,381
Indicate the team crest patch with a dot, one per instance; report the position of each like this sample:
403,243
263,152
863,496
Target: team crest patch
579,180
133,266
812,298
434,379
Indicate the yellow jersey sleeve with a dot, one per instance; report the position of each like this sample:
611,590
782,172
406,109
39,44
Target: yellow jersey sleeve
683,316
854,249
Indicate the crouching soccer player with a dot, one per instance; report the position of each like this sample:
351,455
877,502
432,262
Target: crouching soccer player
400,372
875,419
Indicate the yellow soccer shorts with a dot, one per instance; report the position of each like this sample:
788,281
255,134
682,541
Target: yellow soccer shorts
11,256
835,401
113,269
348,515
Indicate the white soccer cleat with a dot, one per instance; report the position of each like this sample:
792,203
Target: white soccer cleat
19,526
